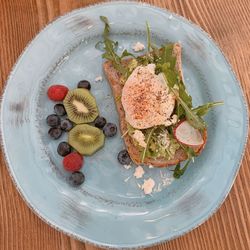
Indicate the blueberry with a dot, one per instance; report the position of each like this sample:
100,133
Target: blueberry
100,122
84,84
55,133
59,109
66,125
110,129
53,120
63,148
123,157
76,178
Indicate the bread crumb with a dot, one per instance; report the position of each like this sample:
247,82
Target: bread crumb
138,47
139,172
98,79
148,186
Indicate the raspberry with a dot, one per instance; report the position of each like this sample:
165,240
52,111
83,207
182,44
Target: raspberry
72,162
57,92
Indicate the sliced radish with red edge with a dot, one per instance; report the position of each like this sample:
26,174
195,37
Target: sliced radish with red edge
188,135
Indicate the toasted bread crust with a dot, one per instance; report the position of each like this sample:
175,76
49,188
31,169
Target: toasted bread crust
116,86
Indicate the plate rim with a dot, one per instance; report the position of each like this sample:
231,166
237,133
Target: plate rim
84,239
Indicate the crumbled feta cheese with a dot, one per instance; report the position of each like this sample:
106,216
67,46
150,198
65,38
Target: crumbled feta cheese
139,172
148,186
164,139
98,79
127,178
158,188
138,47
167,181
127,166
140,138
172,120
151,68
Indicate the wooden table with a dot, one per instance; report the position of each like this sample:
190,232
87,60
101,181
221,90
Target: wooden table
228,22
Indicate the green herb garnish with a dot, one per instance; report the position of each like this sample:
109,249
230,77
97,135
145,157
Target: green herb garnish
203,109
178,171
110,54
148,37
191,116
147,143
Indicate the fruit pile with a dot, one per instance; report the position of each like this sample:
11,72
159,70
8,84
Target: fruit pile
77,113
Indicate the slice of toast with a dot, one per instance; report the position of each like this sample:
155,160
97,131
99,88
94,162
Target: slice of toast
116,86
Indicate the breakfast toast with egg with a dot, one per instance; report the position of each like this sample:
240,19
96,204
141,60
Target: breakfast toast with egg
114,80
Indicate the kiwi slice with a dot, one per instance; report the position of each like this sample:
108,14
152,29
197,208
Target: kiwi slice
80,106
86,139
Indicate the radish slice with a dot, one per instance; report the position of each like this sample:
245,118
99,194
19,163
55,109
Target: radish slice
188,135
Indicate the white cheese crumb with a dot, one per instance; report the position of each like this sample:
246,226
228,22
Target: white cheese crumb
167,181
139,186
139,172
161,174
158,188
138,47
150,166
127,178
148,186
127,166
164,139
151,68
172,120
140,138
98,79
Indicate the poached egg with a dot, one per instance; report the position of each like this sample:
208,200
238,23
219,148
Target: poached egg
146,99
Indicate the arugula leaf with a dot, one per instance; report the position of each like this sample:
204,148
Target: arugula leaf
147,143
179,111
203,109
172,76
178,171
189,151
110,46
184,95
125,53
148,37
107,27
191,116
166,56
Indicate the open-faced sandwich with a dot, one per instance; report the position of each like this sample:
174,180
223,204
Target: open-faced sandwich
158,122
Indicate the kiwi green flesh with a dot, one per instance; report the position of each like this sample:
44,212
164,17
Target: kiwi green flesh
80,106
86,139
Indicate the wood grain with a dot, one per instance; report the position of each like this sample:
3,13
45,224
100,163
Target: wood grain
227,21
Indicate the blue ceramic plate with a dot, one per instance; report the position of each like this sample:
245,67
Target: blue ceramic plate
106,210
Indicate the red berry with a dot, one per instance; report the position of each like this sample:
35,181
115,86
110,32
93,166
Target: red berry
57,92
73,162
